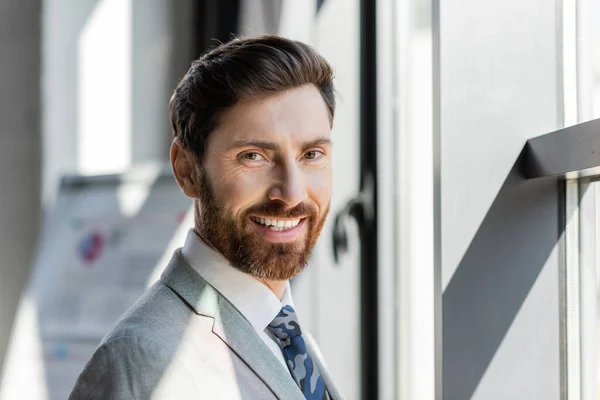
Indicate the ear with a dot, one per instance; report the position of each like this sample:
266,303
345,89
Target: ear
183,165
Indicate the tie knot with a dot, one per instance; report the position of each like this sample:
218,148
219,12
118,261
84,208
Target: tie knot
285,324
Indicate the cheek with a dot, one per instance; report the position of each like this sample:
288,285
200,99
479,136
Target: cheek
319,184
237,190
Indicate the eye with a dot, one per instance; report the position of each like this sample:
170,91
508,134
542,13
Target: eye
313,155
252,156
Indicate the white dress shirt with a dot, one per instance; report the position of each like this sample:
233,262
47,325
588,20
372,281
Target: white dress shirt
255,301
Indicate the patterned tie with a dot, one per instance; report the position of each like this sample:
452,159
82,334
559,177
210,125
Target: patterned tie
285,327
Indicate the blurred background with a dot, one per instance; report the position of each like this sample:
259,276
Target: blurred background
443,272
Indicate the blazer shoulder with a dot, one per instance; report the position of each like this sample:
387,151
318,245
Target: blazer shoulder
138,357
130,367
159,316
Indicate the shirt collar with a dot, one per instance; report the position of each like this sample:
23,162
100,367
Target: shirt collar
255,301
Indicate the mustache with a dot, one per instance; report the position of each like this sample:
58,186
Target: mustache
279,209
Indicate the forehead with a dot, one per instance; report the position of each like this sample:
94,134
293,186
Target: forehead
297,115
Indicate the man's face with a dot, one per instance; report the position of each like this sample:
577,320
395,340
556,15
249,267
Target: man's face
266,181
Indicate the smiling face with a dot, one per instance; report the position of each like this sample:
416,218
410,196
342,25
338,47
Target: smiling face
265,182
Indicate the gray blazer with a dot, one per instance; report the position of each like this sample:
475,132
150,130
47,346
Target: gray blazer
184,340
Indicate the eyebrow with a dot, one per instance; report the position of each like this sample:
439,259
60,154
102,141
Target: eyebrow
274,146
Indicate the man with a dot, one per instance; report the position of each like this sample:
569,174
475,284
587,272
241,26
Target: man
252,124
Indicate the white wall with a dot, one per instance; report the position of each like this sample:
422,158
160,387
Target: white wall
500,85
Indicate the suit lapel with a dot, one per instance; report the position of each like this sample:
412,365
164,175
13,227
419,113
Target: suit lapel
230,326
317,358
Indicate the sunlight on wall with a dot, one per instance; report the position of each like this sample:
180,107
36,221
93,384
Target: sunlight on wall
135,187
292,11
104,72
24,374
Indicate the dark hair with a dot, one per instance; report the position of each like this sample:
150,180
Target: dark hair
244,68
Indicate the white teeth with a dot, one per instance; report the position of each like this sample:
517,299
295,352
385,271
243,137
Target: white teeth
277,225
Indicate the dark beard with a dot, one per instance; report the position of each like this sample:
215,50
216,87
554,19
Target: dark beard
249,252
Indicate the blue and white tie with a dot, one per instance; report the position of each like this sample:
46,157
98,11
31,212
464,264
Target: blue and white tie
285,327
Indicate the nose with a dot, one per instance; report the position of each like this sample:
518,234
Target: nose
290,187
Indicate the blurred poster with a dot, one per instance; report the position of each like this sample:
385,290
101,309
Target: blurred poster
103,270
